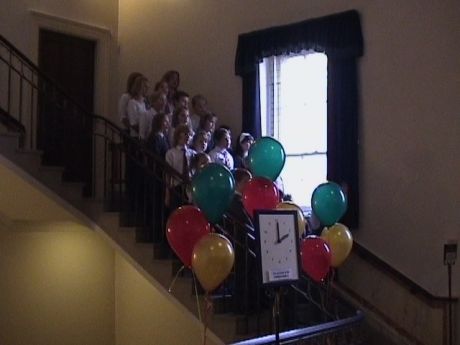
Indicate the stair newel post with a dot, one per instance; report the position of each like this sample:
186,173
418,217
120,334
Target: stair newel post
276,315
246,280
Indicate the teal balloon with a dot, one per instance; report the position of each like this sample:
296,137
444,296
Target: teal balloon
212,190
266,158
329,203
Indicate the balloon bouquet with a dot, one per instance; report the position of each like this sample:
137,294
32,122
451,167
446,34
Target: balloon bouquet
319,254
190,234
189,231
211,255
329,204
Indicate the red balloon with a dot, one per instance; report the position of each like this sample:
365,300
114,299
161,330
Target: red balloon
316,257
185,227
260,194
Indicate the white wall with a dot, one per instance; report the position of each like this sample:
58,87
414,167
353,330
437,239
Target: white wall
57,286
145,317
410,186
410,139
96,20
63,284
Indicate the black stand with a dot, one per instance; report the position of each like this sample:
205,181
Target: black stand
450,255
276,315
451,329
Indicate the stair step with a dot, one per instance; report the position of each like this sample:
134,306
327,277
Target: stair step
31,157
161,251
49,176
73,189
8,134
30,152
9,147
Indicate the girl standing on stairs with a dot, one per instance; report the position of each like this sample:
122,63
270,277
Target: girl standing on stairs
179,158
180,117
158,143
124,99
134,177
136,105
172,78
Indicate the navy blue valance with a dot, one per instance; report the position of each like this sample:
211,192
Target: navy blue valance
338,35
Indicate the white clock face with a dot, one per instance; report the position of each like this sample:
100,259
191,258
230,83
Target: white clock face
278,246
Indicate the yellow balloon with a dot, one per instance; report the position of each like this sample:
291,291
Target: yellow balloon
212,260
301,222
340,241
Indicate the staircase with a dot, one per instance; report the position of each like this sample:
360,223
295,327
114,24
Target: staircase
306,317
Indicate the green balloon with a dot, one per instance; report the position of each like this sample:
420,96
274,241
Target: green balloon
329,203
266,158
212,190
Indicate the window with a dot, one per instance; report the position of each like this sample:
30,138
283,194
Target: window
293,98
340,37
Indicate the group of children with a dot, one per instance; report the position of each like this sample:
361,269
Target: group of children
184,133
186,137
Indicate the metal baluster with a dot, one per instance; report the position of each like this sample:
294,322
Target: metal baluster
21,76
32,124
94,145
105,162
114,156
246,277
120,172
9,83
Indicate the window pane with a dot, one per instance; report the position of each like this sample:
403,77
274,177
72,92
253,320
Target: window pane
302,103
263,96
301,175
294,109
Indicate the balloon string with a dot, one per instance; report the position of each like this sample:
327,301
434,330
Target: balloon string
196,296
175,278
329,283
208,311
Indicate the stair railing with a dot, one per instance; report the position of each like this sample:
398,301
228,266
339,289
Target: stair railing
111,154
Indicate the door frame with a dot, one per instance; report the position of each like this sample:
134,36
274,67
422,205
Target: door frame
103,61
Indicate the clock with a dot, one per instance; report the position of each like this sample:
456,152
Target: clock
277,238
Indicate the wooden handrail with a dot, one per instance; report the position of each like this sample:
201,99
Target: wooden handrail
385,267
288,337
10,122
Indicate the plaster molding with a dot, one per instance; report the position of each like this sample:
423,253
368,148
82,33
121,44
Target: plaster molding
43,16
104,46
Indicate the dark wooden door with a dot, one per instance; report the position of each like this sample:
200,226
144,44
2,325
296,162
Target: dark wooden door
64,130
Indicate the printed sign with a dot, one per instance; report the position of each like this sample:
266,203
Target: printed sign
277,275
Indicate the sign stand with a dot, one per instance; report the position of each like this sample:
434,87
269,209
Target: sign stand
276,315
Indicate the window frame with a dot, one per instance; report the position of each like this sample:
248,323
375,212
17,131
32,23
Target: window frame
340,37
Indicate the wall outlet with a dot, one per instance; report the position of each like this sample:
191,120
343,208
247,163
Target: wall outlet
450,252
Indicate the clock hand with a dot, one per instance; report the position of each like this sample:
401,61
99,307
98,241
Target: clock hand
277,232
283,238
